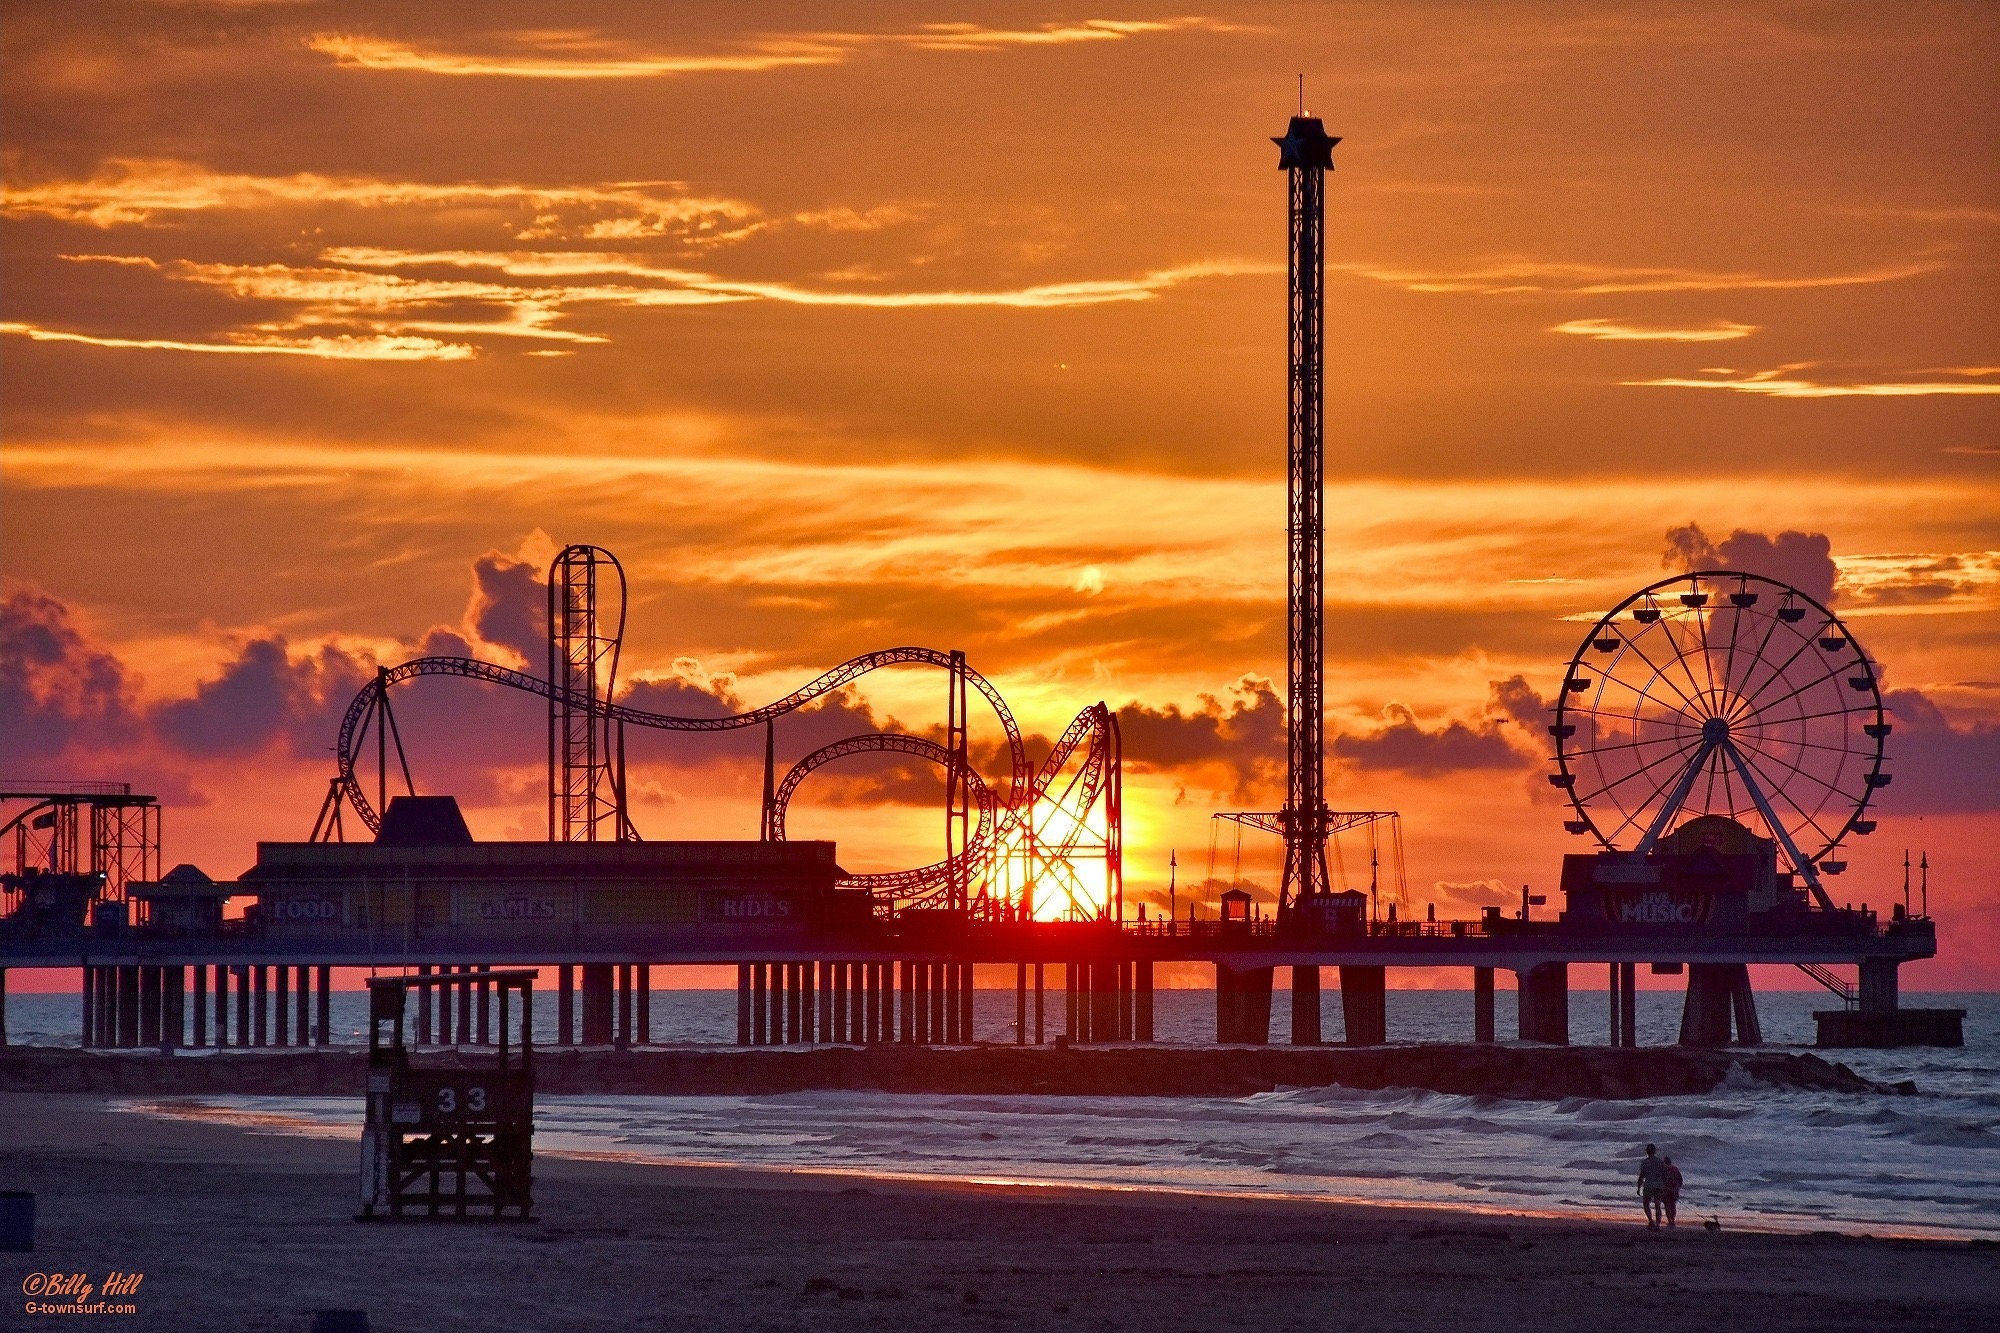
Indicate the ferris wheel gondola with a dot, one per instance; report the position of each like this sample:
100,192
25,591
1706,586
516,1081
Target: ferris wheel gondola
1722,693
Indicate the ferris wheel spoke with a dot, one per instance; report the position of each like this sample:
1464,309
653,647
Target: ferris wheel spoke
1771,624
1829,675
1729,658
1712,696
1594,750
1747,696
1779,742
1659,674
1787,798
1702,709
1807,774
1796,718
1642,769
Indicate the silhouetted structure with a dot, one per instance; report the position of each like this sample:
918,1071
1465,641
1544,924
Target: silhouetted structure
1305,153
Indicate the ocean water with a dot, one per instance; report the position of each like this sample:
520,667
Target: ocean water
1754,1156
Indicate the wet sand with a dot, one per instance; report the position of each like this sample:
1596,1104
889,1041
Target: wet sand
236,1229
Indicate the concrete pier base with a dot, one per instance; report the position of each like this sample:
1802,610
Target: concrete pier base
1719,997
1482,1005
1543,1001
1364,1005
597,1003
1243,1006
1305,1006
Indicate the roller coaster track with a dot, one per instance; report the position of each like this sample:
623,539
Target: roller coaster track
1004,828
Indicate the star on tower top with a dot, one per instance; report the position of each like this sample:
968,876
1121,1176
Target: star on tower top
1306,144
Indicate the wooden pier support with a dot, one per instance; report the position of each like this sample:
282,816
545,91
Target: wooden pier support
1482,1005
1041,991
107,1006
173,1008
260,1011
1543,1000
323,991
1628,1003
89,1037
1878,992
199,1037
1716,994
1243,1006
622,1036
1104,1002
281,1006
643,980
742,1002
221,1005
597,1004
1364,1004
1305,1005
149,1005
566,1004
759,1000
462,997
128,1005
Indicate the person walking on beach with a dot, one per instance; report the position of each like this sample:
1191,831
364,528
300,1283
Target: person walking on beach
1652,1187
1671,1199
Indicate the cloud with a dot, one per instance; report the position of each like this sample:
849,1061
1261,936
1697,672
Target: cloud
510,609
59,692
1242,739
1782,383
553,265
1939,768
1802,559
345,347
1965,580
1610,330
1520,276
127,191
265,695
396,313
571,54
1405,745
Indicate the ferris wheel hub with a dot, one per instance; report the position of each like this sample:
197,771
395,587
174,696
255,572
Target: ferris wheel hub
1715,731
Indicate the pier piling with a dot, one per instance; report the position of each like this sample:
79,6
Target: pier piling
1305,1005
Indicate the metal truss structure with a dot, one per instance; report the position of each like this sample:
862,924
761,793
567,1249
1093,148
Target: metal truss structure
586,745
1305,153
83,828
999,846
1724,693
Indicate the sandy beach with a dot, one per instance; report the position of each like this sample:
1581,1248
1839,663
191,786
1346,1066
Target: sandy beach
236,1229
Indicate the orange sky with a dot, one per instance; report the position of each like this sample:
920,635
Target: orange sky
323,324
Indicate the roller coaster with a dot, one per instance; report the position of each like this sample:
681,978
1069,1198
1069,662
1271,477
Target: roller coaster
1002,847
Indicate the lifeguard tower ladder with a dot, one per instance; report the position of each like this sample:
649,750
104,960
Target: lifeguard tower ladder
447,1142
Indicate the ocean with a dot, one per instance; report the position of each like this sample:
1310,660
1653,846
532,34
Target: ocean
1754,1156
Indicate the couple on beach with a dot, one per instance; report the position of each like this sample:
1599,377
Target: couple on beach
1659,1188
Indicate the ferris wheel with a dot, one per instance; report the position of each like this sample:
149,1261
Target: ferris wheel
1722,693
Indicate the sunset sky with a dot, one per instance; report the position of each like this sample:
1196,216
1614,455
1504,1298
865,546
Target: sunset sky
322,326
